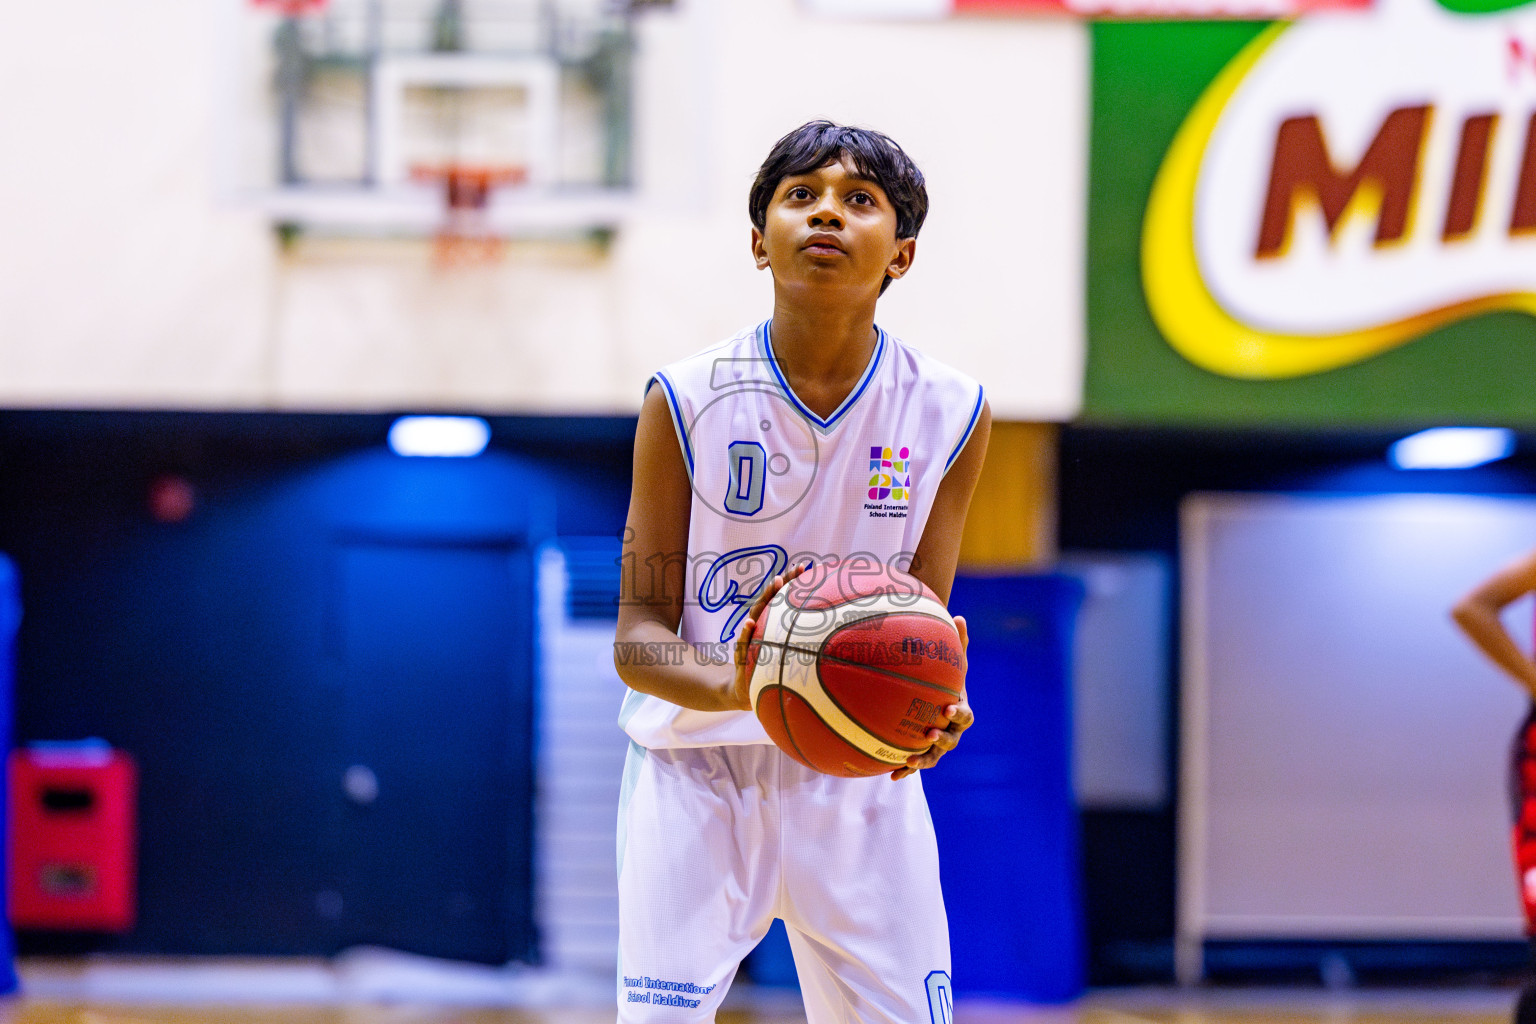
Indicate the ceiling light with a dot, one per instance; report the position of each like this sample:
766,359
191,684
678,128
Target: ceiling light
451,436
1452,448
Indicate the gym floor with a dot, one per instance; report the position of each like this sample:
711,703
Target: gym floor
380,987
1255,1008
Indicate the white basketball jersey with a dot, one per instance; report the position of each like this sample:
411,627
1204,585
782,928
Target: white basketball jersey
775,485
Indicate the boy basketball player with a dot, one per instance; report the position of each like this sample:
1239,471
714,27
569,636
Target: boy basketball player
814,436
1478,616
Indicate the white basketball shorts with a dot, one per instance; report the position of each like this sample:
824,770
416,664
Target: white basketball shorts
715,842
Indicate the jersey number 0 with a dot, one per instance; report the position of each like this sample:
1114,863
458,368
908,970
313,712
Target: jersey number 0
748,465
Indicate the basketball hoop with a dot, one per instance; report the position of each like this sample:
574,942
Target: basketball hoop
466,236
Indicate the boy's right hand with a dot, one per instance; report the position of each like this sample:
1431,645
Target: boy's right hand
741,685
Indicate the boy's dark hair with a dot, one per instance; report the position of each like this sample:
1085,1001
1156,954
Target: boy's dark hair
873,155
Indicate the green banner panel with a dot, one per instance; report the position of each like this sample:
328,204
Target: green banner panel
1344,229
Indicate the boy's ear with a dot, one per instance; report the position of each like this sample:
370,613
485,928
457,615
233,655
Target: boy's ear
759,252
901,262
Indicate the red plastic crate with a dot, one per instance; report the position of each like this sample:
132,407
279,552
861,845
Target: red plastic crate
73,837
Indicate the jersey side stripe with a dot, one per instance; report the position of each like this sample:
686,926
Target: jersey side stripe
677,419
969,428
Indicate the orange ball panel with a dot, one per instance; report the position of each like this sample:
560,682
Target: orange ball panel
898,711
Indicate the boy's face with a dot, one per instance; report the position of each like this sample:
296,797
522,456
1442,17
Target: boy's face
833,231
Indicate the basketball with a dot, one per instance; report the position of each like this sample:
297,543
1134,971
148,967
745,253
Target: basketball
853,665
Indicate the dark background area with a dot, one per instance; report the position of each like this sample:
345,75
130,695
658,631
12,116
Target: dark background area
248,844
253,652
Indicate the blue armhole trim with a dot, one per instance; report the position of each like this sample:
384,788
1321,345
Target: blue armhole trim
969,428
677,418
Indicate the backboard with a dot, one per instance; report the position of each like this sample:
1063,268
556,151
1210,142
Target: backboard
395,117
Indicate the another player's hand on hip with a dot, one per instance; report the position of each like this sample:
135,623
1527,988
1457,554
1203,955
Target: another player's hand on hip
741,686
960,719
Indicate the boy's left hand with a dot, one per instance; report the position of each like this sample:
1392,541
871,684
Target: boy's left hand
960,719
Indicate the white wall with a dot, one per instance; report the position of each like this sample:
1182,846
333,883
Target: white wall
581,752
120,282
1344,749
126,281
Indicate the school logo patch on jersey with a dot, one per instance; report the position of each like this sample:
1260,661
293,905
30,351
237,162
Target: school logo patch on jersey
890,474
890,481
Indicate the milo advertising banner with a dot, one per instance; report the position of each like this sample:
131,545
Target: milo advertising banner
1324,221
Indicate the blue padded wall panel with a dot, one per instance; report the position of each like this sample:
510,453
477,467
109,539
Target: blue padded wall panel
1002,803
10,619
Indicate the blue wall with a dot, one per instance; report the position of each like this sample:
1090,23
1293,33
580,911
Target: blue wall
219,652
10,620
1002,803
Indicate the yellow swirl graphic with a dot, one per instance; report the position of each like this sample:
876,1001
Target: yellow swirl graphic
1191,319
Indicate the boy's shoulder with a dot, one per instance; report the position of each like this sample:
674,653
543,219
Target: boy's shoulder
913,363
704,367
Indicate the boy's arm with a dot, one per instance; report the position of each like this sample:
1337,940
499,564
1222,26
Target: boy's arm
1478,616
654,576
937,555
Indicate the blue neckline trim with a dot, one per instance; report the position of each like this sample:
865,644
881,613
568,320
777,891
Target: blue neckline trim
975,413
765,337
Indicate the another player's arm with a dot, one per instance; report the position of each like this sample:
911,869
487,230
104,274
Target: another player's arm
1478,616
935,561
649,655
